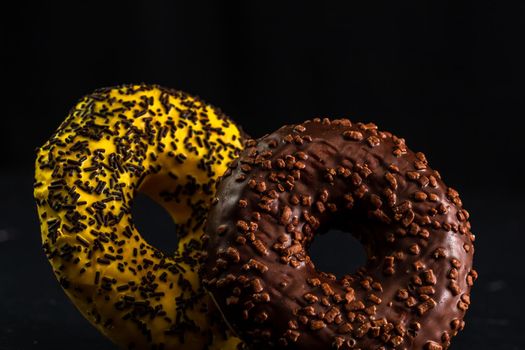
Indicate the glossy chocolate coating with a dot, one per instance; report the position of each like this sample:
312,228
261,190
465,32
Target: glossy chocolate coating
301,181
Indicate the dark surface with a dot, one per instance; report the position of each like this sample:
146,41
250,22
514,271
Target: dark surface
448,77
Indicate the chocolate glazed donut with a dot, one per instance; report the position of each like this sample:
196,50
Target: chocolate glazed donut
303,180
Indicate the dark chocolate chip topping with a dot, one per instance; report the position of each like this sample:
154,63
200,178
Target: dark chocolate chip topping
302,180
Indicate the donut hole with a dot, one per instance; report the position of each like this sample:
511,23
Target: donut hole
337,252
154,224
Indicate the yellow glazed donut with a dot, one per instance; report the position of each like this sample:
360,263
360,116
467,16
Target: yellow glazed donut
115,143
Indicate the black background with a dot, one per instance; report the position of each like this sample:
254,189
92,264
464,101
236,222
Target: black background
449,77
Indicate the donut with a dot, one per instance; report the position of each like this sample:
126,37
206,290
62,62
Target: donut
115,143
305,179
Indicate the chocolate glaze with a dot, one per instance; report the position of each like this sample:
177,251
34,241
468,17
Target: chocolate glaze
305,179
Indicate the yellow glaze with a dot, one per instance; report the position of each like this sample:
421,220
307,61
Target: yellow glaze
114,143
